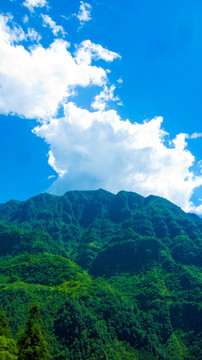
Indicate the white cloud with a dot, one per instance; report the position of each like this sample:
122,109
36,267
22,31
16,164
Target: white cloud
106,95
33,35
84,14
196,135
120,81
56,29
34,83
25,19
51,177
31,4
10,34
53,164
95,149
87,51
197,210
14,33
200,166
98,149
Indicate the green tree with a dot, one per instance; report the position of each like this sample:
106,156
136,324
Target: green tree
8,348
4,327
32,344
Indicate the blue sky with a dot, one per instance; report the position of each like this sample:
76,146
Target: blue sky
101,94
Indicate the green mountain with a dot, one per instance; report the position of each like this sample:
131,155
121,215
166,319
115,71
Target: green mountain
115,276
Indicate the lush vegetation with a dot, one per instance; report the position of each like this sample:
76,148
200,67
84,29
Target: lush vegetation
115,277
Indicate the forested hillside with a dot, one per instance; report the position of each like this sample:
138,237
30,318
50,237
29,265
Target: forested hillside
114,276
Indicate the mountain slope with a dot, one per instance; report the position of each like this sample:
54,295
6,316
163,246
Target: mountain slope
90,225
117,277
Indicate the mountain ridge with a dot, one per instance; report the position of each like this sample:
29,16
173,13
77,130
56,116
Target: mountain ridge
80,222
117,277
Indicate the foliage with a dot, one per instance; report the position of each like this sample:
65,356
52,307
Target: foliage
4,327
117,277
32,345
8,348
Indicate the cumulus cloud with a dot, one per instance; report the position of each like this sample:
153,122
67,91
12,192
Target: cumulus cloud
56,29
84,14
106,95
198,210
98,149
90,149
31,4
53,164
87,51
35,82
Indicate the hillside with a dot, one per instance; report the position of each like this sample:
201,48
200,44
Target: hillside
115,276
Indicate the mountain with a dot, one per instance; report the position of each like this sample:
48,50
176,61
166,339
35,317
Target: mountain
116,276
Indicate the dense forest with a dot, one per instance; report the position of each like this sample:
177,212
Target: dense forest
96,276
